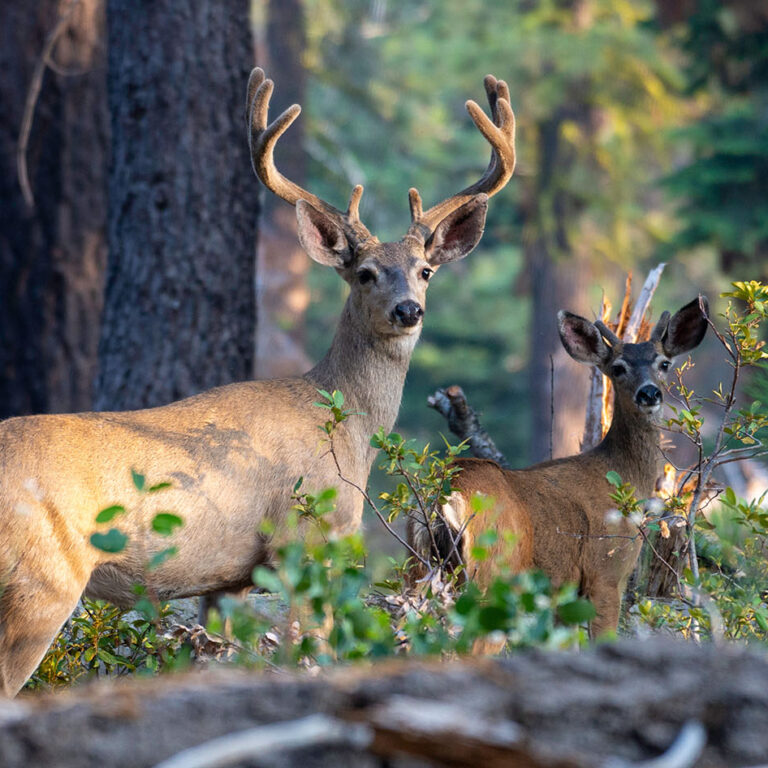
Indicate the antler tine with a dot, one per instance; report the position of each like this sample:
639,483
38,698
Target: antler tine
263,137
607,333
660,327
499,131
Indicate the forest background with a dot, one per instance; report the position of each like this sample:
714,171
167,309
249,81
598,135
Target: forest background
140,262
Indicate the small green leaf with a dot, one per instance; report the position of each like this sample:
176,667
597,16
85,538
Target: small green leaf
267,579
160,557
577,612
164,523
492,618
108,513
107,657
159,487
138,480
614,478
112,541
298,484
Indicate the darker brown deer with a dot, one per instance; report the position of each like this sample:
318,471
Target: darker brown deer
232,454
558,509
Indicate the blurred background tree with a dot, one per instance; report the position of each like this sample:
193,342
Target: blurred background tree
722,192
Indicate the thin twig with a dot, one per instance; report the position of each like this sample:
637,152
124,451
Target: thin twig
376,510
551,405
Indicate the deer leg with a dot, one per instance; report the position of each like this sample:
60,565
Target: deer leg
607,601
32,611
211,600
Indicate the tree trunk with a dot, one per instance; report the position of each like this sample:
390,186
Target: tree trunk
180,306
558,277
282,290
52,254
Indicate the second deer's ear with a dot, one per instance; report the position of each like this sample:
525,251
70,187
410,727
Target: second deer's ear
581,339
321,237
458,233
685,329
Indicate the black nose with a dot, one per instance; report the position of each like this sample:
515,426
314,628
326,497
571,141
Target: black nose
408,313
649,395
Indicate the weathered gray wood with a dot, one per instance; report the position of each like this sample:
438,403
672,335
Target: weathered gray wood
451,403
179,307
627,701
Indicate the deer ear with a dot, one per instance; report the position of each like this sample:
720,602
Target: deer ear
458,233
685,329
581,339
321,237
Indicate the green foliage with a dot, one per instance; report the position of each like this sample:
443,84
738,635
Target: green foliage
722,592
105,641
333,615
115,541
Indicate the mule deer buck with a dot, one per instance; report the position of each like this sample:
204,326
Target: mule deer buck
232,454
557,509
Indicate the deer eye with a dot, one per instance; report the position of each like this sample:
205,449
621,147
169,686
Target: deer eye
426,273
366,276
665,365
618,369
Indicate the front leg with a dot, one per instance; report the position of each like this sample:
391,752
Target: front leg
607,601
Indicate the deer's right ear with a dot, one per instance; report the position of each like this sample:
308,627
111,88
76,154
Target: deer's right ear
581,339
321,237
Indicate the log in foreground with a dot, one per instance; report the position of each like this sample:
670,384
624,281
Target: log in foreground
615,705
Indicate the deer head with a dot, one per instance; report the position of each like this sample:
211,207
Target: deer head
388,281
637,371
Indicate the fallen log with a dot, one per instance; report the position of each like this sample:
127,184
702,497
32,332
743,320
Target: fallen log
615,705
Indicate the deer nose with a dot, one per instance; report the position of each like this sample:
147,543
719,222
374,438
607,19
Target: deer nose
648,396
408,313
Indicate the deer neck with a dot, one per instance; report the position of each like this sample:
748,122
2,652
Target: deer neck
631,446
368,369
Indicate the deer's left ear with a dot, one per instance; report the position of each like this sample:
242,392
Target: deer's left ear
685,329
458,233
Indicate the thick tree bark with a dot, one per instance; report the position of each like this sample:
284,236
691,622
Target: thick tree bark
283,294
180,302
52,254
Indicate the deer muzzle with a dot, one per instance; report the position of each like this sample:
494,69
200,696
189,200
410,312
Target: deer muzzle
648,397
407,313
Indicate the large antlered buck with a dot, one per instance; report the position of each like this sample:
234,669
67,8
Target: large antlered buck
233,454
558,509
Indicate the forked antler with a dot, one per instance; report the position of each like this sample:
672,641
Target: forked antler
500,134
262,139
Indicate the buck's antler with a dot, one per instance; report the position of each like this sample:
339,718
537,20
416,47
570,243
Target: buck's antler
262,139
500,134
